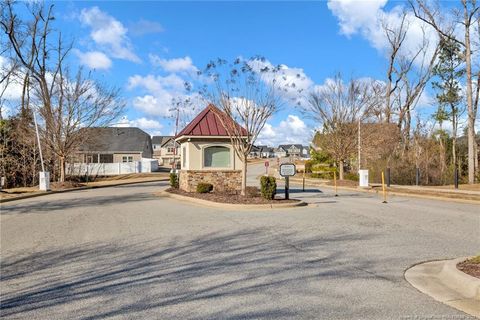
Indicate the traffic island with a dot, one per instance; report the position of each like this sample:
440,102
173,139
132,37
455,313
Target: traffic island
444,282
231,201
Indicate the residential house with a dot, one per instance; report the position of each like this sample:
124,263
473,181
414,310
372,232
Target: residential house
280,152
114,145
292,150
112,151
255,152
165,150
267,152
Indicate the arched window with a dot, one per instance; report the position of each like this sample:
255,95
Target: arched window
216,157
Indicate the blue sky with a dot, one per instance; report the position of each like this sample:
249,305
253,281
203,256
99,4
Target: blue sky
148,48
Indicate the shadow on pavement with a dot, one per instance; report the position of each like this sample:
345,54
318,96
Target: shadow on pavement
210,276
46,205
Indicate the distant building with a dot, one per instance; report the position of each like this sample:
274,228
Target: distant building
280,152
164,150
292,150
266,152
114,145
255,152
112,151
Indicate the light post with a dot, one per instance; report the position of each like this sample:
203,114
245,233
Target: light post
44,176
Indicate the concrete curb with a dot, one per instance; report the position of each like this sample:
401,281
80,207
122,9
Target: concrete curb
232,206
445,283
390,193
468,285
39,194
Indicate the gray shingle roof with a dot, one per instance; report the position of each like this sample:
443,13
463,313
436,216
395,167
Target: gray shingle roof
161,140
287,146
112,139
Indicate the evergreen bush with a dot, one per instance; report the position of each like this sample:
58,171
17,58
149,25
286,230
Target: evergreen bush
268,187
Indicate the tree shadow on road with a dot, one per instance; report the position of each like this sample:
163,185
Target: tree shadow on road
80,202
229,275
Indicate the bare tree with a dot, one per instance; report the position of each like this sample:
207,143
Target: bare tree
396,36
407,74
247,93
338,108
65,102
468,17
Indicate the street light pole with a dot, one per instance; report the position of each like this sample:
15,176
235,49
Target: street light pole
174,142
38,140
44,177
359,145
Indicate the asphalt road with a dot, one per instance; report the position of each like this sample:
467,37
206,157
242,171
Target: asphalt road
126,253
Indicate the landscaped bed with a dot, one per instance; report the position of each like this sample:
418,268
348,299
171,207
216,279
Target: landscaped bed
230,198
470,266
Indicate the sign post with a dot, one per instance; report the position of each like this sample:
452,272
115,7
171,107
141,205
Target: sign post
267,163
287,170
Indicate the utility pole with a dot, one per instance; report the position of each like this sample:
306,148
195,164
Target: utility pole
174,142
44,178
359,145
38,140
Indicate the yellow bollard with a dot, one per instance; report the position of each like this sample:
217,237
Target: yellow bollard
335,182
383,188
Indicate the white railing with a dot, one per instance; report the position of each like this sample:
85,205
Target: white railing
110,169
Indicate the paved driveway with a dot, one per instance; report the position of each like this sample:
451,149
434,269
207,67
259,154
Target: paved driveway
125,253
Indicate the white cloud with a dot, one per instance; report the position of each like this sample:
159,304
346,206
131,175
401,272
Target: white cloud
143,27
293,82
366,18
159,93
109,33
354,15
173,65
14,89
151,126
290,130
94,59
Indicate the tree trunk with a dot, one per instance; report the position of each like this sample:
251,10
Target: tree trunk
442,161
454,137
471,112
244,176
340,170
62,169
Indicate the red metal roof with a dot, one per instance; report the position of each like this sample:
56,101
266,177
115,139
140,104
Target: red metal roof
208,123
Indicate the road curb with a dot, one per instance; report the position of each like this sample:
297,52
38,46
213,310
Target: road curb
231,205
39,194
469,286
390,193
442,281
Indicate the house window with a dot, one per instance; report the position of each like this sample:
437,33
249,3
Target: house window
171,149
106,158
127,159
216,157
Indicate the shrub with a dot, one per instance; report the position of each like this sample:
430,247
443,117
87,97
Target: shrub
252,192
268,187
353,176
204,187
308,166
321,175
174,180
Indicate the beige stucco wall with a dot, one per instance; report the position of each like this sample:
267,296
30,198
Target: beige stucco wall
117,157
193,151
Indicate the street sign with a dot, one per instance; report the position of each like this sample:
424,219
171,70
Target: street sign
287,170
267,163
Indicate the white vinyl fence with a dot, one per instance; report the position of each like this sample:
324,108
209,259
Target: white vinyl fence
111,169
